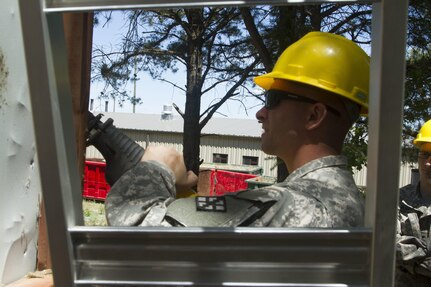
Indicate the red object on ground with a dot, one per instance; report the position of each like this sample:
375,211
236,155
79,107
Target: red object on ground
95,185
221,181
227,181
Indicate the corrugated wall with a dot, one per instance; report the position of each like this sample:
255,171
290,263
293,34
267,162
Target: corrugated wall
235,148
405,174
144,138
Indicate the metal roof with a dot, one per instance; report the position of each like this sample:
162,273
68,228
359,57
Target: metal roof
154,122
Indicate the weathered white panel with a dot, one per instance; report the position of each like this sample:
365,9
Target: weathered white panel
19,177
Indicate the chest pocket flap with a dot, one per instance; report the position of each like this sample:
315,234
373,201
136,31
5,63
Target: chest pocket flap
238,210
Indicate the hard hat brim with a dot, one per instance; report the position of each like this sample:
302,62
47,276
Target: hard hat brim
266,81
421,140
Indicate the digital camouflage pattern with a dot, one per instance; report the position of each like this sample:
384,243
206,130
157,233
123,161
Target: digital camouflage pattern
322,193
413,242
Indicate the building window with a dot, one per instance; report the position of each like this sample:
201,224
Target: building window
219,158
250,160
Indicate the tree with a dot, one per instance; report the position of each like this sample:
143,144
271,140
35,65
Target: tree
209,42
213,46
417,107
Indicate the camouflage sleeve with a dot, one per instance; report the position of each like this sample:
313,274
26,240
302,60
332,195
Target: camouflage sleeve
412,248
141,196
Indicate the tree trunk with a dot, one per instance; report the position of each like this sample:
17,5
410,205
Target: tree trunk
315,13
191,140
192,132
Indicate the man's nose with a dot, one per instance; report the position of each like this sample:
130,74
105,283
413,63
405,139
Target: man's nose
262,114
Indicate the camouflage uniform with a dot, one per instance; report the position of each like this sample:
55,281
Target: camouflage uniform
413,238
322,193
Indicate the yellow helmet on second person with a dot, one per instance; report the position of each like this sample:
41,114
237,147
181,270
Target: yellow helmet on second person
326,61
424,135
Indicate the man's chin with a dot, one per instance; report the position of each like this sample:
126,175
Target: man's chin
425,181
426,174
267,149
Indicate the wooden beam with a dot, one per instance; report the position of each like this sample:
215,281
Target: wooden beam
78,29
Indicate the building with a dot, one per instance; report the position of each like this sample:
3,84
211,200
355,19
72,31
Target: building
235,142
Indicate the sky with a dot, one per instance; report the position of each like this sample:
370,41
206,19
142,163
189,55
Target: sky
155,94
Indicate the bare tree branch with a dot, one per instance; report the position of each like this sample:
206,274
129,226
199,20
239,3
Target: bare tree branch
256,39
229,93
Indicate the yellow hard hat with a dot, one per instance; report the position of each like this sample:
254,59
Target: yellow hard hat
326,61
424,135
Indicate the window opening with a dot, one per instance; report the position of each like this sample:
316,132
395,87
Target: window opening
250,160
219,158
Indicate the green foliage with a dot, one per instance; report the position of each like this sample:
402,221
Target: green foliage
355,145
419,24
417,101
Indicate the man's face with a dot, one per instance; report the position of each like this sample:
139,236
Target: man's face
281,127
424,160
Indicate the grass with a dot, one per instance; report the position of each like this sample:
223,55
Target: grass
94,213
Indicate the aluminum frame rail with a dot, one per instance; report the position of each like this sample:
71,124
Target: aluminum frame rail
94,5
75,249
221,257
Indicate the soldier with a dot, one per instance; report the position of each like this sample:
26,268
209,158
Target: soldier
316,91
413,236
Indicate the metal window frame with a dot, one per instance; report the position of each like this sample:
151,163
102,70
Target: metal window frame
73,246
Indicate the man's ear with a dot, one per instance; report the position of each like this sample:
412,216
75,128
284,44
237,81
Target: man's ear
316,114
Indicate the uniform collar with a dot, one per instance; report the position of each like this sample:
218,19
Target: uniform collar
326,161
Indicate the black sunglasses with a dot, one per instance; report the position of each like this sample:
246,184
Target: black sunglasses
274,97
424,155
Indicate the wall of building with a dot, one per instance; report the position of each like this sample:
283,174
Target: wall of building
235,148
360,176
